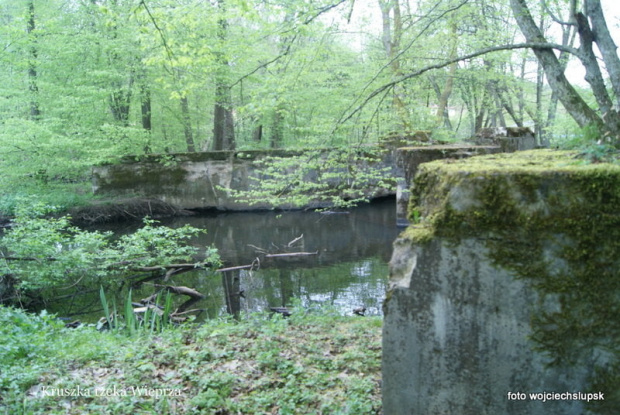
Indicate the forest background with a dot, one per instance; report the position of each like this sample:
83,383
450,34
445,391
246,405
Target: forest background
88,81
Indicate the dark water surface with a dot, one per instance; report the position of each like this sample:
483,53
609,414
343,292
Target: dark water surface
349,268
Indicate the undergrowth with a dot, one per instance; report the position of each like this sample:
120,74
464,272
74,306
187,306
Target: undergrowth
320,362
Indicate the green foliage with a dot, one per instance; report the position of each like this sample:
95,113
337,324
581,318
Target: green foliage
341,177
591,145
42,251
315,362
109,79
34,348
577,138
61,195
152,320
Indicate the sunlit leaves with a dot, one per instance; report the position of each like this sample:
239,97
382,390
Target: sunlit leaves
41,251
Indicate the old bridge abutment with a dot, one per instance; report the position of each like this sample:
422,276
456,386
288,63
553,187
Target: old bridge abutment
214,180
506,286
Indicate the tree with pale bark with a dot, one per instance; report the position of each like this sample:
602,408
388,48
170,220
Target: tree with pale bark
603,77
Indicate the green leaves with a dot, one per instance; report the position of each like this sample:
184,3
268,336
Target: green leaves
340,177
315,362
45,251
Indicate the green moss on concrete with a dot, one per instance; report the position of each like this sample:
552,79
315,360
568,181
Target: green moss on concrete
529,187
555,222
149,180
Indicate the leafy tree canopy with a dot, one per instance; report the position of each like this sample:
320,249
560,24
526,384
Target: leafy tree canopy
89,81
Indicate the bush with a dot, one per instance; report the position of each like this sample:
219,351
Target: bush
43,252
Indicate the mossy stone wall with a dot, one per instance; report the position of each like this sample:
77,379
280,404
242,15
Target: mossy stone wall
508,280
201,180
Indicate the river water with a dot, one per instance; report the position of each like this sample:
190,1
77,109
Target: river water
345,265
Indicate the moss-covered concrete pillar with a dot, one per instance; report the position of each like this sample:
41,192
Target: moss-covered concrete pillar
504,292
408,159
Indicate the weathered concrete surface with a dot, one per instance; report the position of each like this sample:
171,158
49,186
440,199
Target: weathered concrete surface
513,263
510,139
408,159
204,180
456,337
210,179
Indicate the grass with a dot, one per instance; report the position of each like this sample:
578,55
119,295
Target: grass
311,363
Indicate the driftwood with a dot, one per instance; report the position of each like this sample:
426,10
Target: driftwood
235,268
254,264
291,254
299,238
267,253
177,315
151,307
190,292
174,269
188,267
183,307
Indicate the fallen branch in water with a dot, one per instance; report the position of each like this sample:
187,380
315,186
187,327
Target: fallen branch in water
190,292
235,268
189,267
299,238
291,254
255,263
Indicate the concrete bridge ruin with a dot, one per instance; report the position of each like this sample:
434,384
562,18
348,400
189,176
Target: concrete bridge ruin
210,180
503,293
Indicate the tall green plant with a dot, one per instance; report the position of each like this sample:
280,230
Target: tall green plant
154,319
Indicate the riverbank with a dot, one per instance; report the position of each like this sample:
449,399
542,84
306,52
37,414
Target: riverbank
317,362
122,210
89,211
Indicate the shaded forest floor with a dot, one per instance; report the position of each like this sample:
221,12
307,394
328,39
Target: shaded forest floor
313,362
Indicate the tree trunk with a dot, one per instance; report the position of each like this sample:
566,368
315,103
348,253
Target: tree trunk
145,107
35,111
120,102
391,43
568,39
605,44
277,130
223,122
593,72
145,111
231,284
504,101
566,93
442,106
257,134
187,125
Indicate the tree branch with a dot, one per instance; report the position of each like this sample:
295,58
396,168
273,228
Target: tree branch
397,56
161,33
443,64
290,42
264,65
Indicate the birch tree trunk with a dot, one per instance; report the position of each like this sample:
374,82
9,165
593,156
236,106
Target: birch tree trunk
392,31
606,119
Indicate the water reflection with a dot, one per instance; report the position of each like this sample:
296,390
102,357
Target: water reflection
348,267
